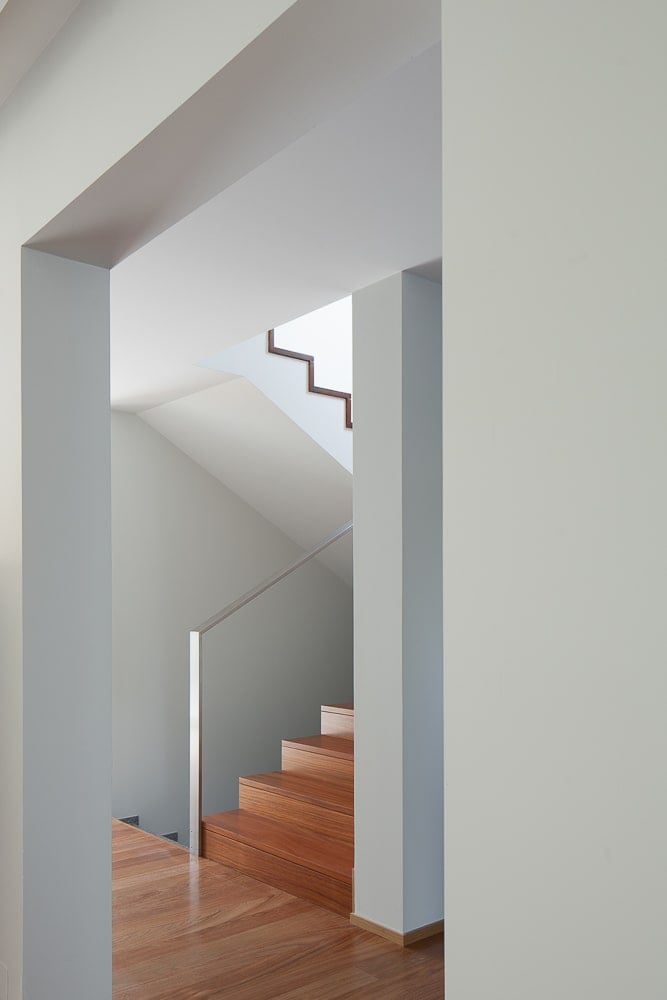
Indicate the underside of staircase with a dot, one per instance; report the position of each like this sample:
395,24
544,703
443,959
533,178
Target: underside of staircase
294,828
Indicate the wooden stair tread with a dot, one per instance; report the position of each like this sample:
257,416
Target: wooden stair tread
338,797
344,709
284,840
330,746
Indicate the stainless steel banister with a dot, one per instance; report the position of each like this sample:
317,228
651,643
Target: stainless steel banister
196,675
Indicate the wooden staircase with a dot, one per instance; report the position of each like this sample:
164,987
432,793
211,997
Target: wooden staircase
294,828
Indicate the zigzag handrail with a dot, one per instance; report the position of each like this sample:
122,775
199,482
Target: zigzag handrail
310,361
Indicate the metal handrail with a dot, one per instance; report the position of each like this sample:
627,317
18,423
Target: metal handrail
196,664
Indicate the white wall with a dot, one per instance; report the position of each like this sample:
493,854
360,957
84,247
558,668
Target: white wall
183,547
423,805
70,121
378,606
555,497
285,382
235,433
398,603
67,623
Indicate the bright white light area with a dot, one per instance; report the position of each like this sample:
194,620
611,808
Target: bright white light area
327,335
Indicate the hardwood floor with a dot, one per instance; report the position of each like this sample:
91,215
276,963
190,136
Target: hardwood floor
196,930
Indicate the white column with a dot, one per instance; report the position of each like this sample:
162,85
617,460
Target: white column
555,222
67,630
398,602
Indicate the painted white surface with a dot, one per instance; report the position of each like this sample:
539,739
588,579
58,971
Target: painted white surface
184,546
238,436
68,121
555,495
298,232
378,606
398,603
423,805
284,381
26,28
67,630
167,52
325,333
11,638
280,86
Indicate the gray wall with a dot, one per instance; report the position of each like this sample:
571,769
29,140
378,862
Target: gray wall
183,547
67,622
555,217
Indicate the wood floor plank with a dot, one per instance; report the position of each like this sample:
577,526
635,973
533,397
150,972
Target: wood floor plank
191,929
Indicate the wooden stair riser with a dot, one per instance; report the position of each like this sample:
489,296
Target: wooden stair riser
319,765
337,724
310,815
278,872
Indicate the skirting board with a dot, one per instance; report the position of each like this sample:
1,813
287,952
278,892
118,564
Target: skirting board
409,937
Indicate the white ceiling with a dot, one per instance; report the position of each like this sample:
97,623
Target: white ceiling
26,28
353,200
